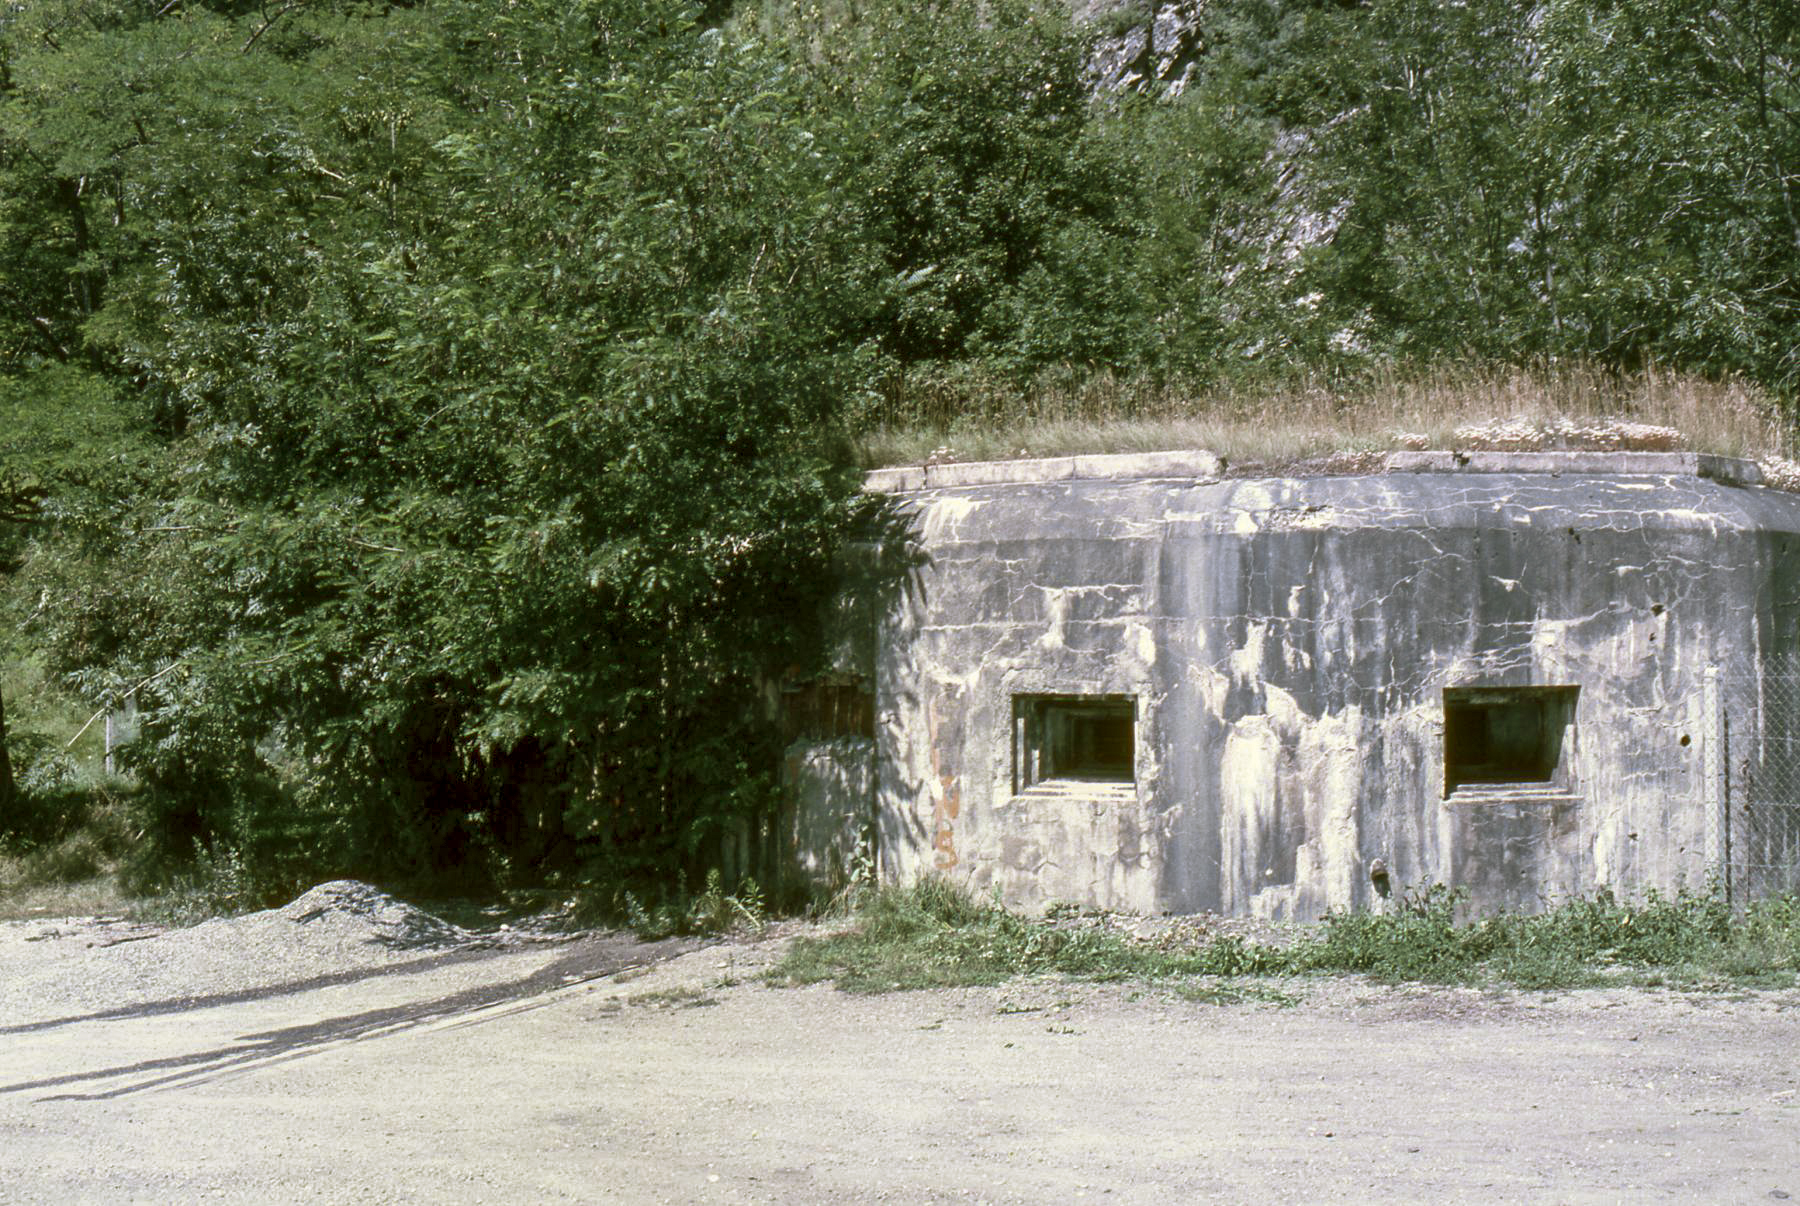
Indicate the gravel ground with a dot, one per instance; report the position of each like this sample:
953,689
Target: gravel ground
368,1053
336,931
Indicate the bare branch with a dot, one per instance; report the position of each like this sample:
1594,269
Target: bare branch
44,329
103,711
269,20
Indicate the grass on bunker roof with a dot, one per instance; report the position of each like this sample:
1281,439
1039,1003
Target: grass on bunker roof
966,417
936,934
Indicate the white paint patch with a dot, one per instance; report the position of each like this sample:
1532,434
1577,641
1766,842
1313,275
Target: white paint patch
1296,659
946,515
1247,782
1247,662
1056,605
1139,638
1282,709
1699,519
1214,688
1337,749
1289,777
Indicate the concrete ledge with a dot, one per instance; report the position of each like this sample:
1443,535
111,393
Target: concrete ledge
1105,793
1206,466
1114,466
1726,470
1496,793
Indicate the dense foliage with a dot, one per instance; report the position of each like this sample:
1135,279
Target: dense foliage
431,416
495,355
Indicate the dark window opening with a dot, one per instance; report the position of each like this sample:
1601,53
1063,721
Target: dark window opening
822,711
1506,735
1084,737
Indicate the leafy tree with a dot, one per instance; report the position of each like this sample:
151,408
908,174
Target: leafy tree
1676,130
1514,180
976,169
503,350
70,447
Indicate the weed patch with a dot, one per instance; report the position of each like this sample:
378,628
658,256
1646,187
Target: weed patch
711,911
1232,992
215,884
936,935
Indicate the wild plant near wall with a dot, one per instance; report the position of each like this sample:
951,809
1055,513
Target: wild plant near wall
936,934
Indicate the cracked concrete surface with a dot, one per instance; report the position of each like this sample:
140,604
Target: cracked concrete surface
1288,641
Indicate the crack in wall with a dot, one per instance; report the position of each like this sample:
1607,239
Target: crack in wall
1288,643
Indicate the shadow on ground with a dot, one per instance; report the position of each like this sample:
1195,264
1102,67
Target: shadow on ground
592,958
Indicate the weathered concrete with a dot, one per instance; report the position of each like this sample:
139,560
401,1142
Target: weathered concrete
1287,644
1133,465
1727,470
831,788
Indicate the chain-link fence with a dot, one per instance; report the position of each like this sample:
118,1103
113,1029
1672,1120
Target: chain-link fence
1753,778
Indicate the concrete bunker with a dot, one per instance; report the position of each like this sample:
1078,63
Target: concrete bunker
1138,682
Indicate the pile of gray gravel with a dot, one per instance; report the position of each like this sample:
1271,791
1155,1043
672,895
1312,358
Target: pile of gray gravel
346,912
72,966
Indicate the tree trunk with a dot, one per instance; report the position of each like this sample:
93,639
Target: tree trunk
7,791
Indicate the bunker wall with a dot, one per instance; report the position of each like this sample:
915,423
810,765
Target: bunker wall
1281,649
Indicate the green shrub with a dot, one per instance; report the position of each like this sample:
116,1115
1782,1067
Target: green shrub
937,934
66,833
1420,941
214,883
712,911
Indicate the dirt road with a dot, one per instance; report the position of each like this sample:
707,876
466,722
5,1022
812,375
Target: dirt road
544,1073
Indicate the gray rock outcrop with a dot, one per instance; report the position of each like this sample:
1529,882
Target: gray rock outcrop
1144,45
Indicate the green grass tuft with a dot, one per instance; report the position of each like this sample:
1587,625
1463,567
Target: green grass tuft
937,935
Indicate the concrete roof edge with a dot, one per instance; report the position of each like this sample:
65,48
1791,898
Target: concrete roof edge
1726,470
1202,465
1120,466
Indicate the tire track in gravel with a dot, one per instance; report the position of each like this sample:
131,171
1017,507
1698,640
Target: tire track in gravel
590,958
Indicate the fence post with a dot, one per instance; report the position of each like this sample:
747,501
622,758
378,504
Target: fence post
1712,775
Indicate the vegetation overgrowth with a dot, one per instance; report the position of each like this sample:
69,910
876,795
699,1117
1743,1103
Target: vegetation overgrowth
1276,425
441,422
935,934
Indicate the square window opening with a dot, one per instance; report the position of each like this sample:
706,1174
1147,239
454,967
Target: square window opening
1507,736
1085,738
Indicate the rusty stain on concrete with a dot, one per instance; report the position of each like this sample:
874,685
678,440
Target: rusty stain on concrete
946,802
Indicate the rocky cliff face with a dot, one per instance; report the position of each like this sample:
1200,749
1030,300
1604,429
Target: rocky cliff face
1144,44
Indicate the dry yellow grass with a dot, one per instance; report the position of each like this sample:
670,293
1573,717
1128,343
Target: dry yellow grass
1548,407
91,897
